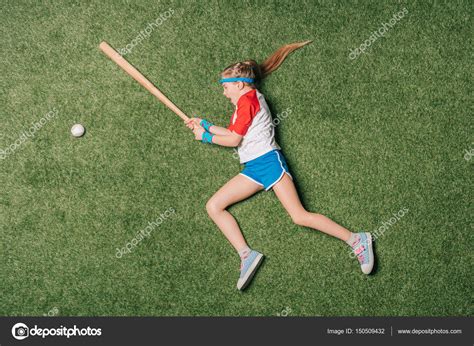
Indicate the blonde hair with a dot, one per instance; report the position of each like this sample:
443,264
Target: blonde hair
251,69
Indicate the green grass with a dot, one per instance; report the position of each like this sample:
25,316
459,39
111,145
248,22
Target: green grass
365,138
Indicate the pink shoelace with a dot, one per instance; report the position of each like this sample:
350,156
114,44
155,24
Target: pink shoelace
359,251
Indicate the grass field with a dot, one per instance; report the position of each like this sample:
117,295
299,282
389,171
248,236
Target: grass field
365,137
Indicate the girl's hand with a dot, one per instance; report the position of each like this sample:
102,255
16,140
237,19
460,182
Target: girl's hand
198,131
193,123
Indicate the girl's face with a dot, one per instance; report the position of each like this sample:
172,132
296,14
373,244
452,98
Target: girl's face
232,91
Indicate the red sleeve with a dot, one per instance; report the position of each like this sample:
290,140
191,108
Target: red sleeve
247,108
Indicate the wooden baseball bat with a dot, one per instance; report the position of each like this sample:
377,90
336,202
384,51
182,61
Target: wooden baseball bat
132,71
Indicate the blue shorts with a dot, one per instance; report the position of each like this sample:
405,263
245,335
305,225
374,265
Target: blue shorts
266,170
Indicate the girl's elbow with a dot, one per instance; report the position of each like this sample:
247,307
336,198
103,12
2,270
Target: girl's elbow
236,142
234,139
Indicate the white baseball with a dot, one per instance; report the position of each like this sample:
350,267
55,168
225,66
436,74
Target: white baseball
77,130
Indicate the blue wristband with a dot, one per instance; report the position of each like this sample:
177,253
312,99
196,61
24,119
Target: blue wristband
206,124
207,137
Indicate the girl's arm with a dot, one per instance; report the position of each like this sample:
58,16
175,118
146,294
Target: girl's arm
221,131
215,130
232,139
215,134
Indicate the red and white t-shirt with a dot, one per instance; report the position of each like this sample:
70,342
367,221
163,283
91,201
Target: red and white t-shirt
252,120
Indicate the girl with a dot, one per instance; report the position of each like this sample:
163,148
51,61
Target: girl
252,131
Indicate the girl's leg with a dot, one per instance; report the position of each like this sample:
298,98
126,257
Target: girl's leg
288,196
235,190
361,243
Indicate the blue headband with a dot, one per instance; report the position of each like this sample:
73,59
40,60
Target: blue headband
238,79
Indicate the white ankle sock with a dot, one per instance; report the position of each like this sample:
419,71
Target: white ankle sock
244,252
353,240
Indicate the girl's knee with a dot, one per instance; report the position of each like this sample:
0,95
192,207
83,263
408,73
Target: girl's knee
300,218
305,218
213,207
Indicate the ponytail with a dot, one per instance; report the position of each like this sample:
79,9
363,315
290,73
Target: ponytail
274,61
251,69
